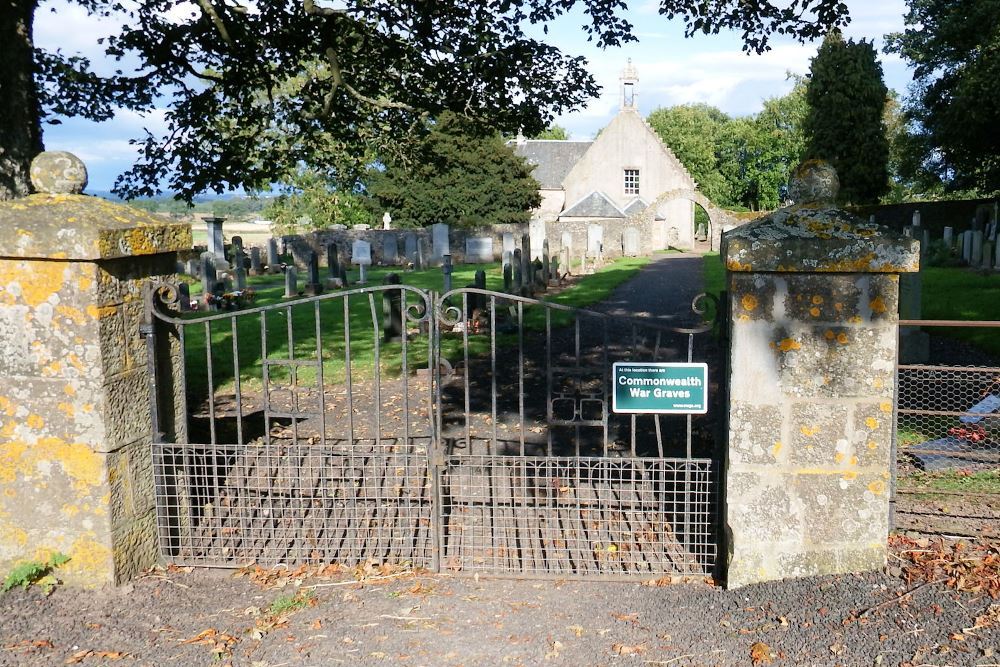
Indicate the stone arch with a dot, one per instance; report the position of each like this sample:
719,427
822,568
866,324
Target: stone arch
717,217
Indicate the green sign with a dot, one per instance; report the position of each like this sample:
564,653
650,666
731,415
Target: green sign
660,388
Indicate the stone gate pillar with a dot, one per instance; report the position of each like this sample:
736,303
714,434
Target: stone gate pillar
75,461
813,305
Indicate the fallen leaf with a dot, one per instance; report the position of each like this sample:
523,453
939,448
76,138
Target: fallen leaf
624,649
760,654
576,630
626,618
317,624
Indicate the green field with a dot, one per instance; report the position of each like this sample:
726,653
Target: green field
962,294
290,332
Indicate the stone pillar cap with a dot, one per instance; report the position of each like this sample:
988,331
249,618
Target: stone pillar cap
814,236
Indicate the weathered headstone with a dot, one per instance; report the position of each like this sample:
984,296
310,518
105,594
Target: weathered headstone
546,264
595,240
273,261
390,249
184,296
314,284
976,257
630,242
418,261
361,253
440,245
446,269
526,272
916,218
507,243
508,278
392,312
209,277
213,231
363,274
240,278
193,268
518,271
410,247
256,266
967,247
479,250
507,258
566,242
949,236
291,282
536,232
987,259
333,261
343,277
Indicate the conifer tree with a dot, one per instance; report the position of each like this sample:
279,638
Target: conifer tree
844,122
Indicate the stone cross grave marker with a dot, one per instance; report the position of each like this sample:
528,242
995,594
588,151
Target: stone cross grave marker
479,250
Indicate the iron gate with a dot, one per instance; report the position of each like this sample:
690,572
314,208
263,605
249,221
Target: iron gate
469,431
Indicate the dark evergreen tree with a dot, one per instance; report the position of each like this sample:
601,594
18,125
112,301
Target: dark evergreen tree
844,122
456,174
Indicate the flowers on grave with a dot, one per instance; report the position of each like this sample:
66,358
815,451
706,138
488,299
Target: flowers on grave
231,300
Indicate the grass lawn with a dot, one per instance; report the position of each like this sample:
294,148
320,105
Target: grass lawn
290,332
950,482
714,274
961,294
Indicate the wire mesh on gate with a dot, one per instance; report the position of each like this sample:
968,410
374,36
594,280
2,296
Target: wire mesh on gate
948,422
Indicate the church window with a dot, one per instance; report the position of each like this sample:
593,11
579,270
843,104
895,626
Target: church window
631,181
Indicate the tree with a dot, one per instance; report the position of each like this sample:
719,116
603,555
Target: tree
954,49
693,131
311,202
844,125
456,174
355,75
553,132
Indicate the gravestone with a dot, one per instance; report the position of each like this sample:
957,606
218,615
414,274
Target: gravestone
949,236
518,271
193,268
440,245
410,247
314,286
333,261
273,262
507,243
361,253
916,218
390,249
363,274
291,282
566,242
240,278
595,240
630,242
256,266
966,247
976,256
446,269
508,278
209,277
527,276
184,296
564,259
418,261
536,232
479,250
507,258
546,263
343,276
914,344
987,261
238,245
213,230
392,312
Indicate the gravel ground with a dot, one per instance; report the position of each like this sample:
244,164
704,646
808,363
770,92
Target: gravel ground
207,617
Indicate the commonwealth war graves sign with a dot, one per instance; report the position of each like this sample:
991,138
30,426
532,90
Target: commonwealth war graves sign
660,388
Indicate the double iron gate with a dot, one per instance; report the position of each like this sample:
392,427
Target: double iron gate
469,432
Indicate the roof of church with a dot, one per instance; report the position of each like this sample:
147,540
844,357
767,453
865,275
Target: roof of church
594,205
637,205
553,159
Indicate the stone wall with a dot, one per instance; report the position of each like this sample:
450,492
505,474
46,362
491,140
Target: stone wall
935,216
75,428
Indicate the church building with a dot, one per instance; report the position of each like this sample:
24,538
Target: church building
613,179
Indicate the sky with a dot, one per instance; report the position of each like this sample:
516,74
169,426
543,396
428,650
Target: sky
672,70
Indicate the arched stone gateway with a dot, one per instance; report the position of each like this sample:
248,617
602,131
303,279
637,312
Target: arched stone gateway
718,218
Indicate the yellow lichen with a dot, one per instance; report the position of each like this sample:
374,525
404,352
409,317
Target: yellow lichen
871,423
877,305
842,338
814,311
809,431
789,344
877,487
776,449
749,302
885,406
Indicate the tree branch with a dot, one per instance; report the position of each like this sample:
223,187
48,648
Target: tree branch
209,10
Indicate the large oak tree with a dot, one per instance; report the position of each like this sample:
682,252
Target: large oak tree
255,90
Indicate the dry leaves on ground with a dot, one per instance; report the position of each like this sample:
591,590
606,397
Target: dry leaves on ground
971,568
28,645
625,649
760,654
80,656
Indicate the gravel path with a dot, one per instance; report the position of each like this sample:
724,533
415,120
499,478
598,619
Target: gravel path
662,291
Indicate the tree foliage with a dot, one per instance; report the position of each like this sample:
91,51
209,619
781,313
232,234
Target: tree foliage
345,80
311,202
844,123
456,174
954,48
553,132
737,162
